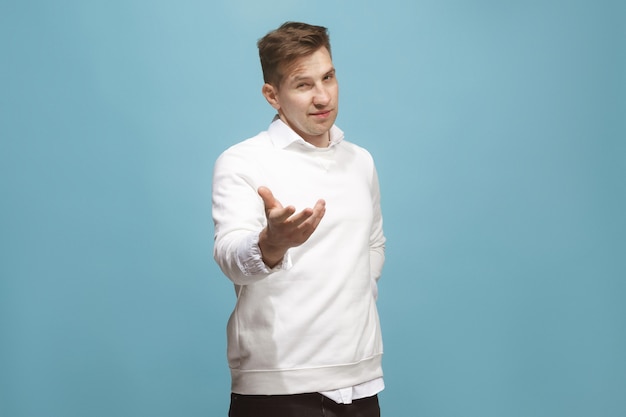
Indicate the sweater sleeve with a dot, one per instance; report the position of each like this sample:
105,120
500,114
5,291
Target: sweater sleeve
377,237
239,217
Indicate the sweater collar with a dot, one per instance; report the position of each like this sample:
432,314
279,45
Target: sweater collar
283,136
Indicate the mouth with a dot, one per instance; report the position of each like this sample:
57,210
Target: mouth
322,114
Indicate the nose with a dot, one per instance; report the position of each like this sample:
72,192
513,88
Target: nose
322,96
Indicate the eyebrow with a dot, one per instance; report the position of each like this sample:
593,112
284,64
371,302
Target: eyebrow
307,77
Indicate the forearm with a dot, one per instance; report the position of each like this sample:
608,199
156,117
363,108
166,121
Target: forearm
239,257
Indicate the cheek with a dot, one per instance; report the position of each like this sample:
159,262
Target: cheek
294,106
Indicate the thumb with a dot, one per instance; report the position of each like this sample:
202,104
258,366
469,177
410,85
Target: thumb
268,198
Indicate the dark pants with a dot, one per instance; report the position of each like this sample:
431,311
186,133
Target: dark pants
300,405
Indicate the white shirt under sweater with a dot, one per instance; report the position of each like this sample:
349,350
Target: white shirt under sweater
276,344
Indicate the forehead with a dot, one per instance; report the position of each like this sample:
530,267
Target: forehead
317,63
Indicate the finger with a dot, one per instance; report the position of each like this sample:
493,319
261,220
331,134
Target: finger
318,213
320,205
280,215
316,216
310,217
299,218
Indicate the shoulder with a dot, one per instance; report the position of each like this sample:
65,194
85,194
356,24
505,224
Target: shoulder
253,144
246,150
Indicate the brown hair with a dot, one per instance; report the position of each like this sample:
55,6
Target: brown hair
281,47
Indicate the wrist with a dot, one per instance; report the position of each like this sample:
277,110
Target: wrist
271,254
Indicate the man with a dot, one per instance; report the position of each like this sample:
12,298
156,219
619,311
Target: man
298,229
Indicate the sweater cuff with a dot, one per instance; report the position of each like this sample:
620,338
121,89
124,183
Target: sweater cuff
250,260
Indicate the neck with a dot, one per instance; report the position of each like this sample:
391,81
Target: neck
322,141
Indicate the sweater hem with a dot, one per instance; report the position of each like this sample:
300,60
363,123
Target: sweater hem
299,381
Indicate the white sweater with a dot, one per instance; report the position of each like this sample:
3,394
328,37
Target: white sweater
310,324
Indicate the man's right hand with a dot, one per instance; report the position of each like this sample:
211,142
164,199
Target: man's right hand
285,229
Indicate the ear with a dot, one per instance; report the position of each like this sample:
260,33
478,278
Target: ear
270,94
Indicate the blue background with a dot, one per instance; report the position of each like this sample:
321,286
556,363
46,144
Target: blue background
499,132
